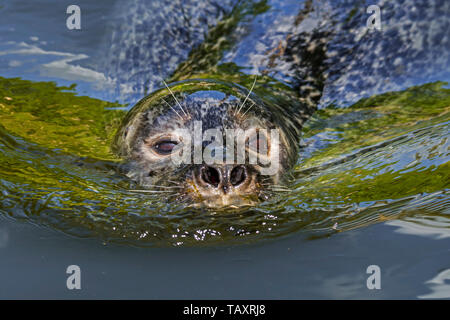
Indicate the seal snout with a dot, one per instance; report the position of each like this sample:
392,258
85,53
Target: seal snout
222,178
224,185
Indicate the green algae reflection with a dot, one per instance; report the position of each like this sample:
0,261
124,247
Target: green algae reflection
386,157
55,117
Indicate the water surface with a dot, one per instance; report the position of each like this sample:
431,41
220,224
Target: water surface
370,187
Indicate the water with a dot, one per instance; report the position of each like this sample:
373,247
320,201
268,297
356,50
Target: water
370,186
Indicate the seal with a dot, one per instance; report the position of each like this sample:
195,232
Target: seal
217,143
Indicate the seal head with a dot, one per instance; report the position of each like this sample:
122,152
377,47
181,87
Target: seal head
214,143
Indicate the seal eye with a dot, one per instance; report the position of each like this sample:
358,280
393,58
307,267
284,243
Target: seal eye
165,147
258,143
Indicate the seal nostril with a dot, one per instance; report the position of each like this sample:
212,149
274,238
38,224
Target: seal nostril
238,175
211,176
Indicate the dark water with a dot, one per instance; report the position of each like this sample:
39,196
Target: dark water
370,186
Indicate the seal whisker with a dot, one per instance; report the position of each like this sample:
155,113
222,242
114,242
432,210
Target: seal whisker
279,190
280,186
174,182
248,109
151,191
276,187
172,108
167,187
175,98
251,89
